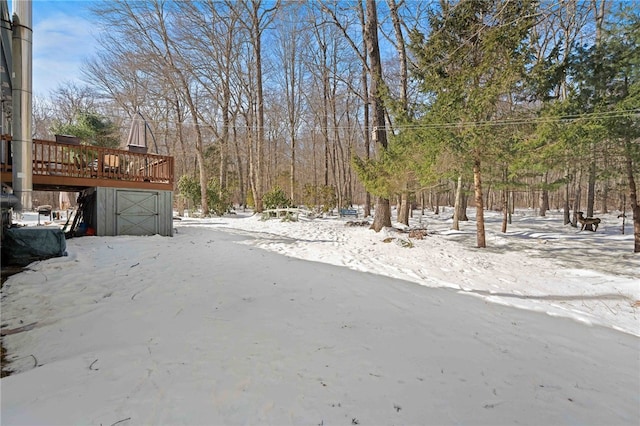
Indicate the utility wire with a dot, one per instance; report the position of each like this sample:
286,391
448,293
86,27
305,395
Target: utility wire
435,125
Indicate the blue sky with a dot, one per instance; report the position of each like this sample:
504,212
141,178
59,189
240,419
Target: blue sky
63,37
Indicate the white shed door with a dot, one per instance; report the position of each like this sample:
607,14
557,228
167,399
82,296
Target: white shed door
136,213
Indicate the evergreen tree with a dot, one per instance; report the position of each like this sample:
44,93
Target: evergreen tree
596,129
468,66
613,95
92,129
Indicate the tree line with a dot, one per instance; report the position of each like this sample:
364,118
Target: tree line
497,103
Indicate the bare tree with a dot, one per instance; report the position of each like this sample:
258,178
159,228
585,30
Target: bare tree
358,42
322,68
365,94
400,45
43,118
258,18
146,27
69,99
290,54
382,216
212,37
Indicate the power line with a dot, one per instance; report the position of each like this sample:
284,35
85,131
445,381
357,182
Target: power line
419,126
520,121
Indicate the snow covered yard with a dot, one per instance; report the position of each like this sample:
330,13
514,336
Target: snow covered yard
539,264
213,326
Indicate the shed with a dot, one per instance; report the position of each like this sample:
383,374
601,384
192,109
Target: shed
126,211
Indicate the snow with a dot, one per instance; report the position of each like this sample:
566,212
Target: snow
216,326
539,264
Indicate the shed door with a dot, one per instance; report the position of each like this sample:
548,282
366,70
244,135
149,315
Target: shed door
136,213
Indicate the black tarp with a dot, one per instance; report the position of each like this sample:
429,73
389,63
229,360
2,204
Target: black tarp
23,245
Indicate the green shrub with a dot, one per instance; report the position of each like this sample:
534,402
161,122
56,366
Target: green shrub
323,196
218,200
276,199
189,187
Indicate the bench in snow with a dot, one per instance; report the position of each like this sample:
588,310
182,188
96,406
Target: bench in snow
348,212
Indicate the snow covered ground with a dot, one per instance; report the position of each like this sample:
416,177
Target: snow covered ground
213,326
538,264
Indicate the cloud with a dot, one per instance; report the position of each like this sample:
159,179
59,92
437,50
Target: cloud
61,42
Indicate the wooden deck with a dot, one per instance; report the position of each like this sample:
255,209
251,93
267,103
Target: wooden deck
71,167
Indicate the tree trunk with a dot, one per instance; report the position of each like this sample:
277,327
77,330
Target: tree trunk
505,210
203,182
199,140
599,12
436,210
252,173
338,149
365,100
544,196
179,130
464,205
567,207
457,209
505,201
224,143
512,203
292,169
259,170
323,46
591,188
403,211
488,196
259,20
402,54
477,180
577,200
240,169
605,185
633,197
325,125
382,216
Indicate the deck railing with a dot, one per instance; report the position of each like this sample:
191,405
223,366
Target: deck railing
53,158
